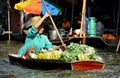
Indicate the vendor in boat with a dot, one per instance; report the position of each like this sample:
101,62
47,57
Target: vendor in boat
77,31
35,40
66,24
100,27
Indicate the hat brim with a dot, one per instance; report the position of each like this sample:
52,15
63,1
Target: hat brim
30,22
25,31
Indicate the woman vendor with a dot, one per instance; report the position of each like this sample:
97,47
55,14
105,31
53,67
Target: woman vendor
35,40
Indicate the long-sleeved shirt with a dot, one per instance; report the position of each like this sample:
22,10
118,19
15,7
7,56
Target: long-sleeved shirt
39,41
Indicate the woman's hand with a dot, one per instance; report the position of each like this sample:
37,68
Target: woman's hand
47,14
64,46
41,20
79,22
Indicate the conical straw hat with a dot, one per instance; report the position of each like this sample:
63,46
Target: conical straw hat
34,20
31,22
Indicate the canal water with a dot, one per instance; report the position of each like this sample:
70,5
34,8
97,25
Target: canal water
7,70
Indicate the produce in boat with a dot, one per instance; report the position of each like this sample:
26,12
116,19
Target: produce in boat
74,52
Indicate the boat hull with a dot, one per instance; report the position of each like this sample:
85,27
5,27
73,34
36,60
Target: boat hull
57,64
87,65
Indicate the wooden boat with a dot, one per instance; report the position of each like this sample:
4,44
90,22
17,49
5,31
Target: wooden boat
56,64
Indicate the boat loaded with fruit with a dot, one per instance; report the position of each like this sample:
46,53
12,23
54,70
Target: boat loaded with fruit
75,57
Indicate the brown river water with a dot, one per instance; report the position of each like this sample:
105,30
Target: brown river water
7,70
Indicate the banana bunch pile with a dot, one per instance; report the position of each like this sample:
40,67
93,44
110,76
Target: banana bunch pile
49,55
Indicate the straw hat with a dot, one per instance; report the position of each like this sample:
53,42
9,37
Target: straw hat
30,22
34,20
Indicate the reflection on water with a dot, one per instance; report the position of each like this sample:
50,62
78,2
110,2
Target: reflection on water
111,69
54,74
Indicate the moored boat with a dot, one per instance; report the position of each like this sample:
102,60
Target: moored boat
91,41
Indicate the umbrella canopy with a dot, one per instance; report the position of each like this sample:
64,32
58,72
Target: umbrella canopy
36,6
21,5
53,8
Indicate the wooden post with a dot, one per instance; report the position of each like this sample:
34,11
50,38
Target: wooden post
83,34
117,27
21,19
9,37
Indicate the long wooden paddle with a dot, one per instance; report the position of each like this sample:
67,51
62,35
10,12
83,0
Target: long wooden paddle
53,23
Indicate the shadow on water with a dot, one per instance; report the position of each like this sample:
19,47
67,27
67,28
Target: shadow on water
7,70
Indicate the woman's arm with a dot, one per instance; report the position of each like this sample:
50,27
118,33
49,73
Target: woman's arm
41,20
63,46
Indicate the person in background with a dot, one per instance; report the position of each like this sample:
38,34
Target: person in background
35,38
84,30
66,24
100,27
